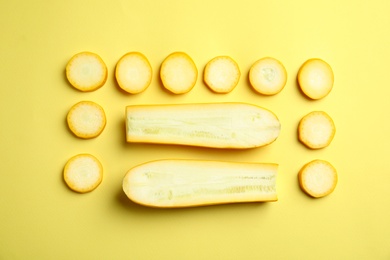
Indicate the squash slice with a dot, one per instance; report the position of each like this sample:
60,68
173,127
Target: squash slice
83,173
315,78
86,71
222,74
268,76
86,119
215,125
318,178
188,183
316,130
178,73
133,72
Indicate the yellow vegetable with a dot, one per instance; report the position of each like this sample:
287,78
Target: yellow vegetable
316,130
133,72
187,183
268,76
217,125
86,119
178,73
315,78
221,74
318,178
83,173
86,71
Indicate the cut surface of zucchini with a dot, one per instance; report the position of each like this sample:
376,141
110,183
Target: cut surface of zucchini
318,178
187,183
133,72
315,78
216,125
83,173
267,76
178,73
316,130
221,74
86,71
86,119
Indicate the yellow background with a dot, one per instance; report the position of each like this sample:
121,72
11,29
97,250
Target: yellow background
42,219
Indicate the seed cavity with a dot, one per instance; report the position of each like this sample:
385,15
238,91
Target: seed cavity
268,73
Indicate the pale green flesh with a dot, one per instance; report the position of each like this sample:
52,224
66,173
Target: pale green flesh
227,125
186,183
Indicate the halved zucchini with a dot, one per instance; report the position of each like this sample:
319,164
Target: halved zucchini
188,183
216,125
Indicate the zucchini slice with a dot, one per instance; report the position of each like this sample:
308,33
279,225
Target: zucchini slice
133,72
318,178
215,125
178,73
86,119
83,173
316,130
268,76
86,71
315,78
222,74
188,183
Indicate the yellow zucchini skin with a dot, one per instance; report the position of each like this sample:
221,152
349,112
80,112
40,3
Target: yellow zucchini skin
215,125
190,183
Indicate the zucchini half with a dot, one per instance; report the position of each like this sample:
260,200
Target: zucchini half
215,125
188,183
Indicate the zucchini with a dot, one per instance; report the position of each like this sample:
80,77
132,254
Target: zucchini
268,76
216,125
316,130
222,74
315,78
178,73
318,178
86,71
188,183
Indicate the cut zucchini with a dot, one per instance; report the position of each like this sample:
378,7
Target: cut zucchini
221,74
318,178
188,183
268,76
315,78
316,130
133,72
86,71
83,173
86,119
178,73
216,125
